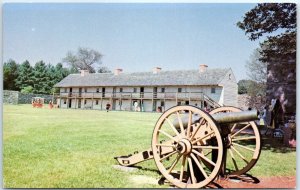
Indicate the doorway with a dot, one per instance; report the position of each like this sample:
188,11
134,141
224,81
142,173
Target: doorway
79,103
70,103
154,92
142,92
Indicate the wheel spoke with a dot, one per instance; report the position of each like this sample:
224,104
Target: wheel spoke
168,135
233,127
242,146
195,141
199,125
203,157
182,168
166,145
192,171
180,122
172,126
174,163
188,131
233,160
243,158
199,165
244,138
167,156
206,147
240,130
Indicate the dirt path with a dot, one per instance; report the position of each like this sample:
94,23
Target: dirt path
252,182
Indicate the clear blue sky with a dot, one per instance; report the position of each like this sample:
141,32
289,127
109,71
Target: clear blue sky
134,37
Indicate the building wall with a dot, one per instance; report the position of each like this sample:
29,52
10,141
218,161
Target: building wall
230,90
170,91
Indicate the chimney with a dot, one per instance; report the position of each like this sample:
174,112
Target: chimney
202,68
156,70
118,71
84,72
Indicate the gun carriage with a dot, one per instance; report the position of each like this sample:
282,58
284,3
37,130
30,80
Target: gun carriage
191,147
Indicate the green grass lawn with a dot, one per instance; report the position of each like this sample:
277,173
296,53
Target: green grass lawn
66,148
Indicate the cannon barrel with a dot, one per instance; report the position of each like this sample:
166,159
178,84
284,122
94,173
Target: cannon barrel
236,117
224,118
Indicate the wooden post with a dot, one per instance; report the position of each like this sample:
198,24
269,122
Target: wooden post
53,98
93,101
176,98
59,100
130,101
101,102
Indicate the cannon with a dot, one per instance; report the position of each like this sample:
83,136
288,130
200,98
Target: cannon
191,147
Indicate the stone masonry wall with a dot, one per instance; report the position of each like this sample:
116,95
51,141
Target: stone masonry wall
10,97
15,97
281,84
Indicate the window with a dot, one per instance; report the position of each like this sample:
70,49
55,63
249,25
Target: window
84,101
65,101
121,89
213,90
162,90
97,102
85,89
97,90
179,89
103,92
134,90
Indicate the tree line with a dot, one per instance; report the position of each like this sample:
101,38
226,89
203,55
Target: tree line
41,77
38,79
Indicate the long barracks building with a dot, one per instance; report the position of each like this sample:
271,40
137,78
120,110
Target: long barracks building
156,90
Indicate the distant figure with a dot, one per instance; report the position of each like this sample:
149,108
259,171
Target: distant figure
107,106
276,114
50,104
136,105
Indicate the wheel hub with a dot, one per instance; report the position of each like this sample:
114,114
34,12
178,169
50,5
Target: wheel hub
184,146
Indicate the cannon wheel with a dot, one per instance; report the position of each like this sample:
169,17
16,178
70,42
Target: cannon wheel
183,165
235,145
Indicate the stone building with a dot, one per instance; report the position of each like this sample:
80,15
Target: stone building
153,91
281,84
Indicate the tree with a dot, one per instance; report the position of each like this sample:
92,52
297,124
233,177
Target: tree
104,70
85,59
10,73
256,69
27,90
25,76
256,86
268,18
41,79
243,86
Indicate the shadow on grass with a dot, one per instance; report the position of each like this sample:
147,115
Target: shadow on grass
146,169
275,145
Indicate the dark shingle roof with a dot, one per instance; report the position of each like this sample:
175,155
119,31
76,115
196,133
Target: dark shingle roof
163,78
